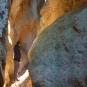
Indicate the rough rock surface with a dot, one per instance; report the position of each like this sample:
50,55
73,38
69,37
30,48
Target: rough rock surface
3,27
3,15
25,19
23,24
59,54
56,8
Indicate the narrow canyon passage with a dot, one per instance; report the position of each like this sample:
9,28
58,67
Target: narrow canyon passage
23,79
53,43
23,24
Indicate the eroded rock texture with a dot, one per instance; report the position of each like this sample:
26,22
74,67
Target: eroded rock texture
23,24
55,8
59,54
3,27
27,19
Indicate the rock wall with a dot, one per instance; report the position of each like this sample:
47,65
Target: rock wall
56,8
3,15
3,30
23,24
59,54
27,19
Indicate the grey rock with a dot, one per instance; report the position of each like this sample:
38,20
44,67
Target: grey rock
58,56
3,29
3,15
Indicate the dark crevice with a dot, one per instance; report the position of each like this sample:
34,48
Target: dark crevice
66,49
1,79
85,45
86,80
75,29
81,52
75,82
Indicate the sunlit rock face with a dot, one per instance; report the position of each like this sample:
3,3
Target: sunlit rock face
23,25
3,29
59,54
27,20
56,8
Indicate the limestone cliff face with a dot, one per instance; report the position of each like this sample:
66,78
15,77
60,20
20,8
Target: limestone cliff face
59,54
3,30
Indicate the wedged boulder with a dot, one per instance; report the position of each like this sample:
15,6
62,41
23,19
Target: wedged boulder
58,56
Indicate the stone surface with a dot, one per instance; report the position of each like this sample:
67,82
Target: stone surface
27,20
22,25
3,27
59,54
56,8
3,15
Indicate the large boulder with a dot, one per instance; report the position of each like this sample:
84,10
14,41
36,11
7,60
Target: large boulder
56,8
3,29
3,15
58,56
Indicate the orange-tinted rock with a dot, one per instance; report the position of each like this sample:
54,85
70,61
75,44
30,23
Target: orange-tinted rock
56,8
27,20
58,56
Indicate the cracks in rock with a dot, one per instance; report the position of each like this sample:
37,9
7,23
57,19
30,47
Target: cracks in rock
85,45
36,85
65,47
64,42
86,80
1,76
81,52
75,29
75,82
